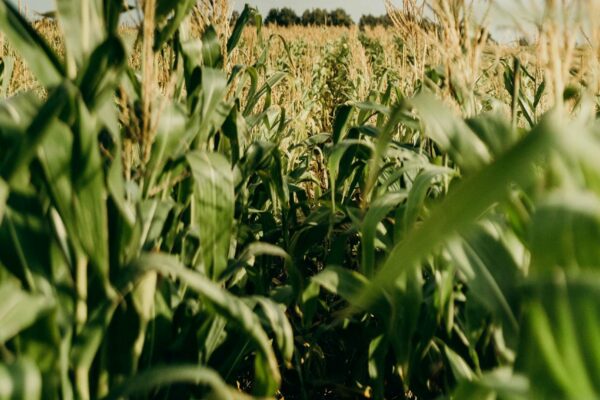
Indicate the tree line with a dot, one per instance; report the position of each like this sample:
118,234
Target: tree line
318,17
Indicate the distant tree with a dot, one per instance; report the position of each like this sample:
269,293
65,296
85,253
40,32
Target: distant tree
372,21
316,16
272,16
282,17
339,17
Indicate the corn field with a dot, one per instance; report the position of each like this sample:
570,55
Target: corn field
195,209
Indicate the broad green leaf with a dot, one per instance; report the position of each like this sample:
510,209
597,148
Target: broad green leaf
211,110
340,152
101,72
233,309
38,55
564,232
245,17
40,127
460,369
466,203
381,147
340,123
499,383
161,376
378,350
280,325
81,23
346,283
20,381
19,309
558,351
211,49
451,133
170,132
269,84
90,194
418,193
378,210
491,272
213,208
169,15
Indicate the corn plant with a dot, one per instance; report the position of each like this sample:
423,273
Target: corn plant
181,241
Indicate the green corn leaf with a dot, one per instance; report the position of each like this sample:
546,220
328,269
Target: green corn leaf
378,210
162,376
378,350
418,193
381,147
340,153
211,49
451,133
19,309
211,111
169,15
346,283
83,29
213,208
20,381
466,203
233,309
565,230
39,128
491,272
244,18
170,134
460,369
499,383
101,73
270,83
40,58
558,351
280,325
340,123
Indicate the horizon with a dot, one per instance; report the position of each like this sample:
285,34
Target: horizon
502,24
355,8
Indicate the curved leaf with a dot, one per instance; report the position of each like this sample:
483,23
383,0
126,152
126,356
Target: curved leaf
157,377
233,309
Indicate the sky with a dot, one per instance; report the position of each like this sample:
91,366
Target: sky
356,8
502,24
